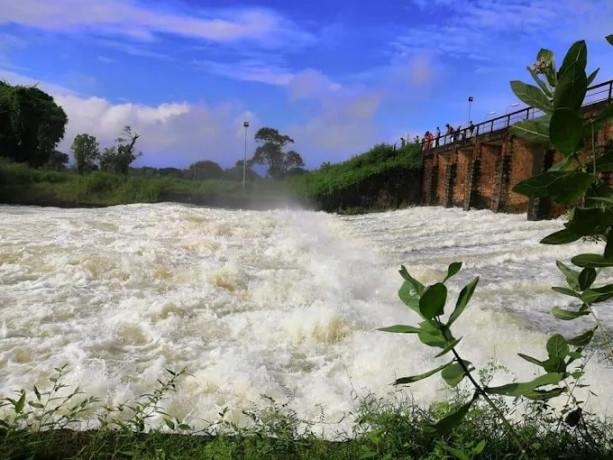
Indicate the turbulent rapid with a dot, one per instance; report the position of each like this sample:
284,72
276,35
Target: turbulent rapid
281,303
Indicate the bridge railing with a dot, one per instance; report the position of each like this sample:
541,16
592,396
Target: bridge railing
594,95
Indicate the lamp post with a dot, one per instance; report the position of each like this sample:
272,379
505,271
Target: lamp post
470,100
246,126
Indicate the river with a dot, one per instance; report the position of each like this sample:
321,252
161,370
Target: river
282,303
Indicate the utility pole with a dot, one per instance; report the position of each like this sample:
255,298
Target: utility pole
246,126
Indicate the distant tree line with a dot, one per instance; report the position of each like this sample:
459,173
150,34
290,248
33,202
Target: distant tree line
32,125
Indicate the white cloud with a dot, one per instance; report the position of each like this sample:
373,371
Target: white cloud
176,134
135,19
311,83
248,70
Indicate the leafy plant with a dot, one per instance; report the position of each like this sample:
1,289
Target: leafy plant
560,95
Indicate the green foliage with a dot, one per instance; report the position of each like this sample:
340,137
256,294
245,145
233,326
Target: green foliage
383,160
271,153
85,150
31,124
118,158
560,95
202,170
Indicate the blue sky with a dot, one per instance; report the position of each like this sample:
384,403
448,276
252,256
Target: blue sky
336,75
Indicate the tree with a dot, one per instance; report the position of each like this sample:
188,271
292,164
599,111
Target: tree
85,150
235,173
271,153
31,124
57,161
202,170
118,158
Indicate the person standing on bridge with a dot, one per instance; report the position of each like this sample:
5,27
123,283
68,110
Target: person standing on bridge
471,128
438,136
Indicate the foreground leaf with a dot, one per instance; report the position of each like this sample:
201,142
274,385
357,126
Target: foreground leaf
562,187
568,315
532,131
566,131
453,268
521,389
531,95
463,299
591,260
557,346
432,301
454,373
401,329
597,295
561,237
584,339
425,375
452,420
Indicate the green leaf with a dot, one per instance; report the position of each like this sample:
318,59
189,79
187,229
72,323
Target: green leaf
522,389
590,221
597,295
425,375
576,56
37,405
540,82
401,329
561,237
169,423
432,301
583,339
609,38
586,278
591,260
531,95
532,131
566,291
566,131
457,453
571,89
544,395
410,297
562,165
452,270
432,335
448,347
568,315
463,299
452,420
479,448
608,249
19,405
562,187
572,276
557,346
454,373
532,360
591,77
416,284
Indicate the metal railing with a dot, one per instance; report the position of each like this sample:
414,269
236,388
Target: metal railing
594,95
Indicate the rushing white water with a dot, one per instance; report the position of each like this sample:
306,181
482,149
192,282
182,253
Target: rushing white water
280,303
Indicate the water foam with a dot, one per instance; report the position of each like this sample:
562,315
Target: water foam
277,303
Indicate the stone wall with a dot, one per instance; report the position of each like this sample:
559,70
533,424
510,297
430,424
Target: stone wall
480,172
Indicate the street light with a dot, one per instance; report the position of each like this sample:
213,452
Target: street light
246,126
470,100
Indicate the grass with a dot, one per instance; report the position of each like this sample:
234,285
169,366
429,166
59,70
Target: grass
42,424
20,184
